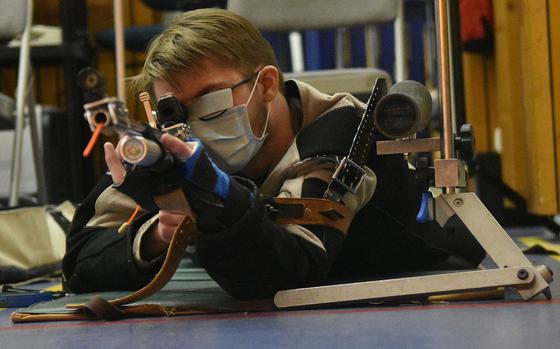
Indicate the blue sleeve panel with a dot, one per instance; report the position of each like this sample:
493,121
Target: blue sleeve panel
222,183
424,213
199,166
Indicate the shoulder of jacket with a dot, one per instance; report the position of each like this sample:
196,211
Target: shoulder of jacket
315,103
329,122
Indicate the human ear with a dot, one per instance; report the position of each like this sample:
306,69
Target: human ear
268,80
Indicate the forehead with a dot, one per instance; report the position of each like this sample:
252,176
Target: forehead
205,78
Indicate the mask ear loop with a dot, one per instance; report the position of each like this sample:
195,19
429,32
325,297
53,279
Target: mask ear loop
264,134
254,88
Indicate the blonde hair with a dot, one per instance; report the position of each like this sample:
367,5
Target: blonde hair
220,36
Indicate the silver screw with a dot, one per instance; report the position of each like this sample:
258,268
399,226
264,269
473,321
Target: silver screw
458,202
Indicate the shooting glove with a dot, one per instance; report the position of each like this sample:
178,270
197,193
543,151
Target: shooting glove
218,199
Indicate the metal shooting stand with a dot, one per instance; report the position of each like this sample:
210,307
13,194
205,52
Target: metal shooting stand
513,268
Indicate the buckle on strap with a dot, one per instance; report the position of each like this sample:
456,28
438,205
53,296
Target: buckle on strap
346,178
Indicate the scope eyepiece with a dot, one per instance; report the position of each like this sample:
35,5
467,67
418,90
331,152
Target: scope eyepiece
170,111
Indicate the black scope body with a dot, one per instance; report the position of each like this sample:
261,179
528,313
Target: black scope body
404,111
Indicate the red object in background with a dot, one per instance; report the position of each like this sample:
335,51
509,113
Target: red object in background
476,24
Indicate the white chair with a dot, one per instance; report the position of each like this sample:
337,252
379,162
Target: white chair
17,19
295,15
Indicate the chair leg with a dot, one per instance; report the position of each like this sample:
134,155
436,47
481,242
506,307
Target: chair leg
296,50
23,72
17,148
343,48
372,46
36,147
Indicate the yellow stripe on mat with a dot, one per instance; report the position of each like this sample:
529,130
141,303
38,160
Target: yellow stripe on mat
55,288
531,241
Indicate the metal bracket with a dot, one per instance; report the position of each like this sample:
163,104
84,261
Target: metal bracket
450,173
513,268
422,145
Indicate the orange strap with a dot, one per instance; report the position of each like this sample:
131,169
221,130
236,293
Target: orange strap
314,211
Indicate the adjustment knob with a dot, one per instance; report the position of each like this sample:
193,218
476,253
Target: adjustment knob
465,143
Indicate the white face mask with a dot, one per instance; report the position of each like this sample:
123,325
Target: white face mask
227,137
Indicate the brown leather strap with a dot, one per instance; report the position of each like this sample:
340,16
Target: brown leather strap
99,308
175,201
314,211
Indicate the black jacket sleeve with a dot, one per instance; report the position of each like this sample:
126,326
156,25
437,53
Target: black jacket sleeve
252,257
241,247
99,258
255,257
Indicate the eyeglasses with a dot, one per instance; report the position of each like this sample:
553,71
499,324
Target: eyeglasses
246,80
219,98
